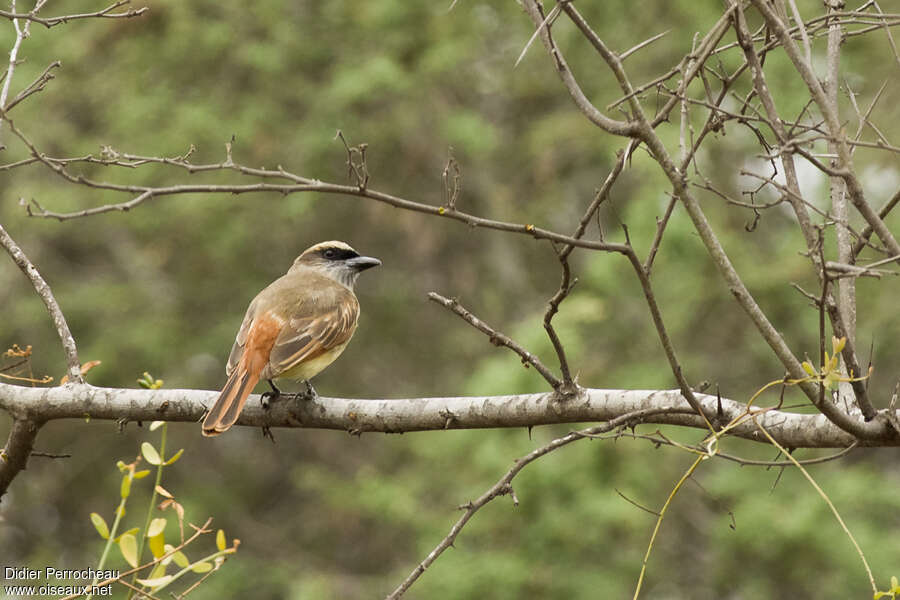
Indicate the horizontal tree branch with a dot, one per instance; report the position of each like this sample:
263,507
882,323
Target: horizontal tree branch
419,414
106,13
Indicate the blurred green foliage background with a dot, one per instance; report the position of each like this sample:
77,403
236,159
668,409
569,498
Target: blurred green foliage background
324,515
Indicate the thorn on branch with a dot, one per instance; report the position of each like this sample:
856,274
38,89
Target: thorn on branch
449,418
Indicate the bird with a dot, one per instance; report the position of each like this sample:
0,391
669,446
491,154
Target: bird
294,328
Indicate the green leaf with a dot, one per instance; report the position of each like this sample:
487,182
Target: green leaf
100,525
156,425
150,453
122,466
175,457
807,366
142,473
125,490
201,567
220,539
128,547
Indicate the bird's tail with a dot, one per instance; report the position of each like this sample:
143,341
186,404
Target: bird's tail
231,400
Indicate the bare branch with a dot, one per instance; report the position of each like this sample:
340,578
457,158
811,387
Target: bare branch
622,128
19,445
106,13
866,233
497,338
21,33
426,414
857,197
642,45
504,487
34,87
43,290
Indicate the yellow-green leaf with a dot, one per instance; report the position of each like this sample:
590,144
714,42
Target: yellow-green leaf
128,547
201,567
100,525
150,453
181,559
166,549
156,425
807,366
156,582
175,457
220,539
156,527
158,571
122,466
837,345
133,531
141,474
126,486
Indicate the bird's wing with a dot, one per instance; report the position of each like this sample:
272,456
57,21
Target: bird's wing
241,339
314,328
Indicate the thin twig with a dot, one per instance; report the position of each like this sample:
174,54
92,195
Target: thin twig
43,290
504,487
105,13
827,500
497,338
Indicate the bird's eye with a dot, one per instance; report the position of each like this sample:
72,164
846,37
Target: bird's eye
329,253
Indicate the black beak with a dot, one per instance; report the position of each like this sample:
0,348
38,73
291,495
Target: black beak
361,263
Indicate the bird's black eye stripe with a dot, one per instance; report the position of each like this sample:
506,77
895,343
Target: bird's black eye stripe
338,253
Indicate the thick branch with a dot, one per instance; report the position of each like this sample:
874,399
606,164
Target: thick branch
18,448
421,414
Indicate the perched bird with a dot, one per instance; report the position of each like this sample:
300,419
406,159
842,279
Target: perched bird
294,328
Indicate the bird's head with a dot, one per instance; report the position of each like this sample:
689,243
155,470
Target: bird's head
336,260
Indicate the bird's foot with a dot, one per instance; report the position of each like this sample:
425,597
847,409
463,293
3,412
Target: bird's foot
267,398
310,392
